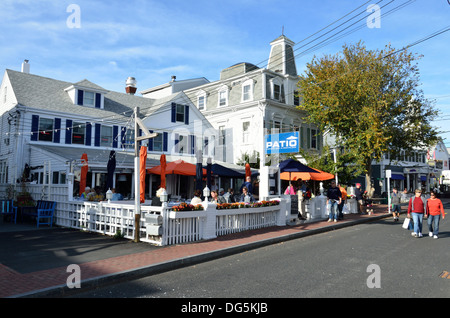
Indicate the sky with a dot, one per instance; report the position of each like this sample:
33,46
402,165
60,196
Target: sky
108,41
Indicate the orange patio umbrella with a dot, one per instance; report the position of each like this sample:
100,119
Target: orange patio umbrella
248,171
84,171
162,160
142,171
177,167
320,176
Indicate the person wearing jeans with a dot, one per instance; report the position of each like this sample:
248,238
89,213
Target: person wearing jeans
434,209
334,197
416,208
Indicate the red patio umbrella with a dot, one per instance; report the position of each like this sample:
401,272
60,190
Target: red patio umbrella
84,171
320,176
177,167
162,160
248,171
142,171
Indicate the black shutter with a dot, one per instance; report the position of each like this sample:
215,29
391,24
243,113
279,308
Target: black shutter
68,131
80,97
186,114
34,127
98,97
57,129
174,112
88,134
97,135
115,136
165,139
150,142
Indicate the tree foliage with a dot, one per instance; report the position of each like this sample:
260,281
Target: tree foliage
370,100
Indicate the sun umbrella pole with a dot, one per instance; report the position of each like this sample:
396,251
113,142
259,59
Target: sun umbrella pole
137,202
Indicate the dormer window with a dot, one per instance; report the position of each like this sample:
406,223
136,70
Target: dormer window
90,99
276,90
201,100
223,96
86,94
247,90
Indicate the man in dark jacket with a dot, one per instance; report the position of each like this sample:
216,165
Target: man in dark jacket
334,197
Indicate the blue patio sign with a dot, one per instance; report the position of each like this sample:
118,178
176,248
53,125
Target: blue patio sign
282,143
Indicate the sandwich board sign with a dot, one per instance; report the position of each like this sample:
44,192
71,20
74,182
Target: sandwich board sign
282,143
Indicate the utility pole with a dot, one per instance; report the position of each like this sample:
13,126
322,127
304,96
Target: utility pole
137,202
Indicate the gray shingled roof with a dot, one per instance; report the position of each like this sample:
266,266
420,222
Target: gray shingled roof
48,94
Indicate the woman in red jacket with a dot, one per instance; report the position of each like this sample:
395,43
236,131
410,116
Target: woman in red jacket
433,212
416,208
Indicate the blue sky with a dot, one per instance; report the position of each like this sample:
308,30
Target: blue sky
153,40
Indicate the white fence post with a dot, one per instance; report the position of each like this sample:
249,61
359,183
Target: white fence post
209,226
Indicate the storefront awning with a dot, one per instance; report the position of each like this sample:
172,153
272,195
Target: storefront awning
397,177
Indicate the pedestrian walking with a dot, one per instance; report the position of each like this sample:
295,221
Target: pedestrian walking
434,210
359,198
416,208
341,205
334,197
395,201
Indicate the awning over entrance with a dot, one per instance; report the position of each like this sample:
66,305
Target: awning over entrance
397,177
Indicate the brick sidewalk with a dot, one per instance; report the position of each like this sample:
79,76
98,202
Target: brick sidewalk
52,282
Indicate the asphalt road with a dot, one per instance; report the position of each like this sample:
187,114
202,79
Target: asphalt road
378,259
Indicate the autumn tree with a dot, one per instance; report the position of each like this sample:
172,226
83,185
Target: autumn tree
370,100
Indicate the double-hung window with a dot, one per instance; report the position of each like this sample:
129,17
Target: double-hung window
106,136
45,129
223,96
78,133
88,98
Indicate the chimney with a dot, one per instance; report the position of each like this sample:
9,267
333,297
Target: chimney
130,87
25,67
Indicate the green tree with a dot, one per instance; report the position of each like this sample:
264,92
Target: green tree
370,100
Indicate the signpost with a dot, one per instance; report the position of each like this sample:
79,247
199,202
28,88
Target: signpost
388,180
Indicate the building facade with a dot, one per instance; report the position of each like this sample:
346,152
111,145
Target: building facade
248,102
46,125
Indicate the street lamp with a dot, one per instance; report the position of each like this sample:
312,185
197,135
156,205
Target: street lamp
164,196
109,195
206,193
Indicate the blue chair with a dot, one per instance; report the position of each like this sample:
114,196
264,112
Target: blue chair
7,208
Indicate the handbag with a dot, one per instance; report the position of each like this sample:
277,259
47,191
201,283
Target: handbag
406,223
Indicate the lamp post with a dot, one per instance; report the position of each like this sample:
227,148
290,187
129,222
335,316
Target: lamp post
164,196
109,195
206,193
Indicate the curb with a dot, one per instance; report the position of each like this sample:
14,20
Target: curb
101,281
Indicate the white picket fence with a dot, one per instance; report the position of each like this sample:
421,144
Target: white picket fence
117,218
